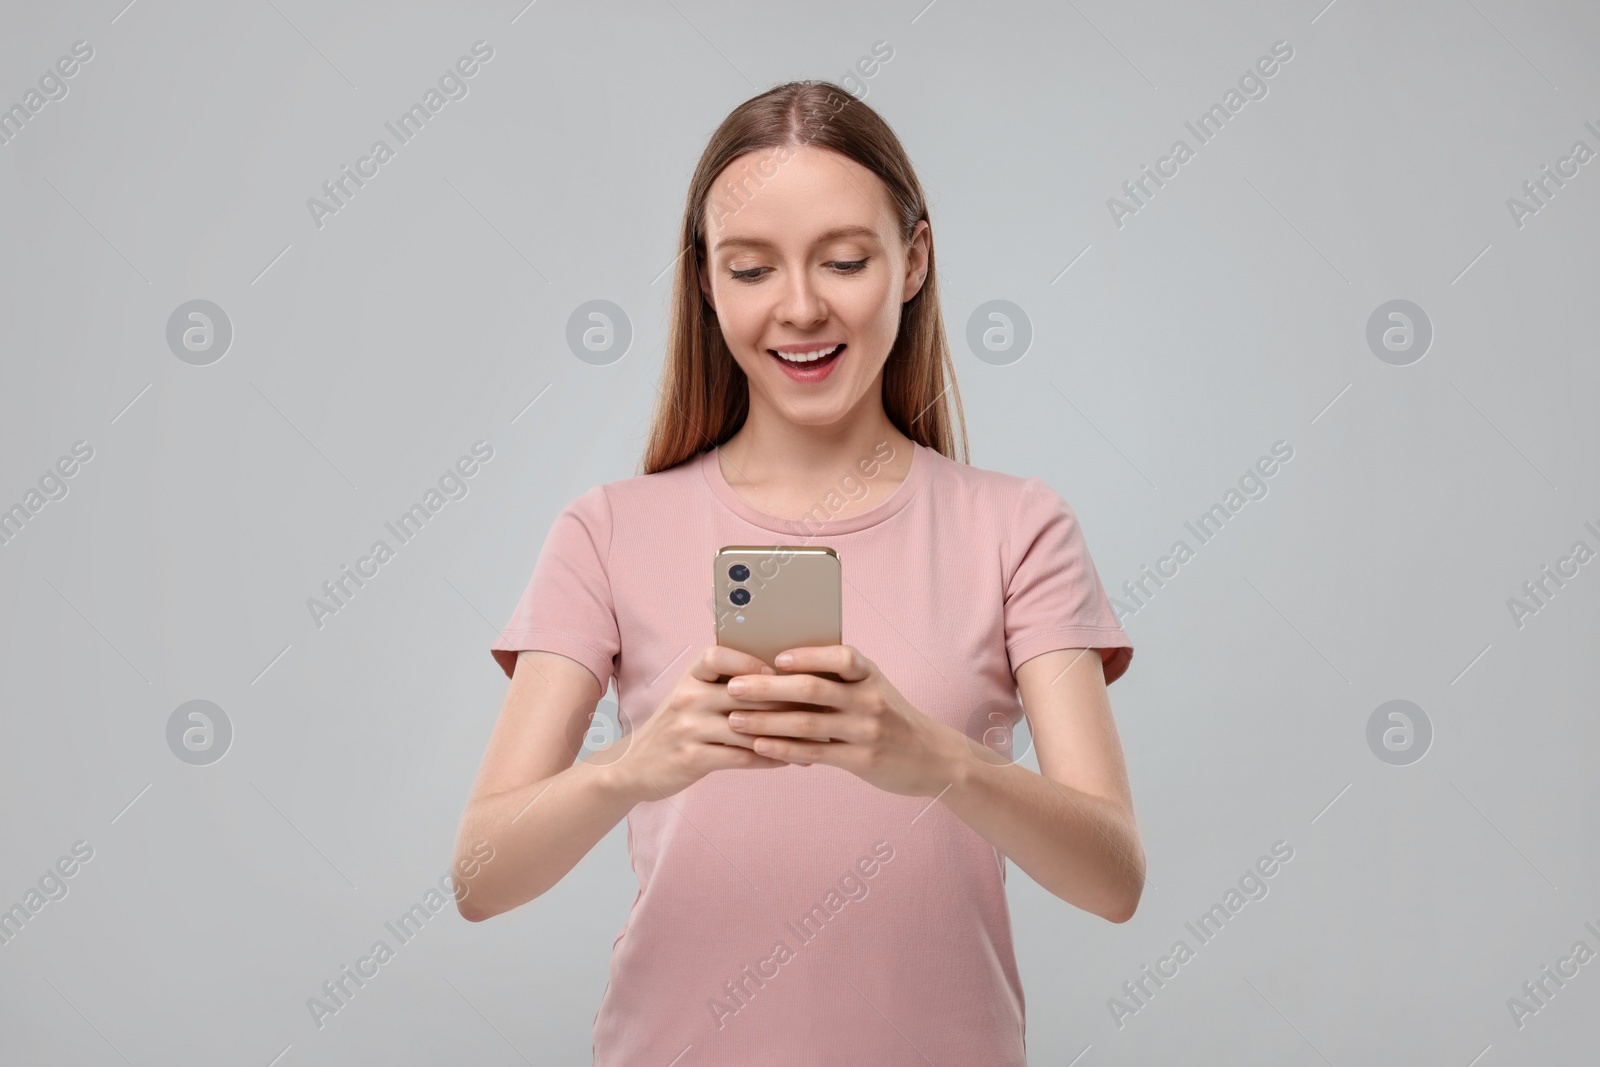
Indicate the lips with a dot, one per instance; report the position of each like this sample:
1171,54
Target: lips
814,370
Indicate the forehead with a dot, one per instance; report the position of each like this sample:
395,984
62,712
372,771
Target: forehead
763,199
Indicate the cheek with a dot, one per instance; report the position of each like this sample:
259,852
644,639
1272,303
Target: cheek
873,319
740,315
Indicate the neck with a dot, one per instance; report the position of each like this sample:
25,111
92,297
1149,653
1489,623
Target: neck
771,450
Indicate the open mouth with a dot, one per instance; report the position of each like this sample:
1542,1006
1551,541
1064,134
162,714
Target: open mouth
812,366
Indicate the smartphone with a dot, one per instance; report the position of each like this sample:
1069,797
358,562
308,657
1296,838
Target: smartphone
774,597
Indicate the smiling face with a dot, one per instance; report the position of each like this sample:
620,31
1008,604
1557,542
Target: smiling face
801,263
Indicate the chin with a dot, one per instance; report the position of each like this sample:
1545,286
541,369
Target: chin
811,415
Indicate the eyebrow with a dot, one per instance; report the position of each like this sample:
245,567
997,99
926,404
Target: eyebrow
830,235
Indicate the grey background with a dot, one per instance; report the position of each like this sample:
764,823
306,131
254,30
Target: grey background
369,354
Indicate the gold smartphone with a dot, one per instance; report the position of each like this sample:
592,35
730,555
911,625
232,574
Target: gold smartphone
774,597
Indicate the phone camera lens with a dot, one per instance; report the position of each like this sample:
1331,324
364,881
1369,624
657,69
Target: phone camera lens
739,572
740,597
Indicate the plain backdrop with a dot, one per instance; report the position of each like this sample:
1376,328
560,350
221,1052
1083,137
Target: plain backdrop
1169,348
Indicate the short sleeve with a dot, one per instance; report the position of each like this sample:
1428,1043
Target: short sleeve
1053,595
567,607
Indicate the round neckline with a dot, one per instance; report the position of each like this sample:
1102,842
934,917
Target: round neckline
711,467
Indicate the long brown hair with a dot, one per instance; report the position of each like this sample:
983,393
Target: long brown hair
704,396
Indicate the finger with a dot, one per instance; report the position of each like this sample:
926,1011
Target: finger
717,663
842,660
720,732
811,725
734,757
721,701
804,753
800,688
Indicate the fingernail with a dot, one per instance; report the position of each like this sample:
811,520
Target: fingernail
736,720
736,686
784,659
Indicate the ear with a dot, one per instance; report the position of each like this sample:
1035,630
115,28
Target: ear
917,260
705,286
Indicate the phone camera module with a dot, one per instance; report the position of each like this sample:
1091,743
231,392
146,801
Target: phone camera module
739,573
740,597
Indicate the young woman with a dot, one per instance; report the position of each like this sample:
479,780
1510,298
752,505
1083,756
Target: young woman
815,886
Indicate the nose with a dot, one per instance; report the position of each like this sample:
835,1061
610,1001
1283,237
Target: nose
801,304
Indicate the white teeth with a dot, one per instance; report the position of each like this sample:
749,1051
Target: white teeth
807,357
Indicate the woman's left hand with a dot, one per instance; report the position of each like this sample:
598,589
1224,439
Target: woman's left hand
878,735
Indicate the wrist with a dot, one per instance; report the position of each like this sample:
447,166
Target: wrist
961,766
613,779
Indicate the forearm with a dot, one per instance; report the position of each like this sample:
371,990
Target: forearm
1081,847
539,832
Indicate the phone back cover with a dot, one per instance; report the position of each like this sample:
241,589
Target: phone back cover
794,599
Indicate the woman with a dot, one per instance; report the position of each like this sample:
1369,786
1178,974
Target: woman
822,886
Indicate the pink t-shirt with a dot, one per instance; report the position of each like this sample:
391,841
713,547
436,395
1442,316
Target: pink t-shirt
798,915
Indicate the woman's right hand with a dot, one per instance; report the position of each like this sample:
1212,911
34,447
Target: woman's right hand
688,737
